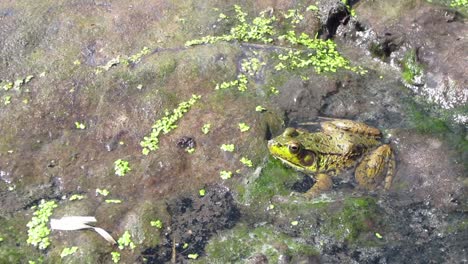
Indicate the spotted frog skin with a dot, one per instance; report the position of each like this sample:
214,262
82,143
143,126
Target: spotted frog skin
339,145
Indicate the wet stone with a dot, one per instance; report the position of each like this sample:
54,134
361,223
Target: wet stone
194,220
186,142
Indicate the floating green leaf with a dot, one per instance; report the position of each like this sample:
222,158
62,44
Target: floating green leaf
166,124
227,147
206,128
103,192
202,192
68,251
38,230
79,125
246,162
115,256
157,223
126,241
225,175
244,127
76,197
121,167
260,108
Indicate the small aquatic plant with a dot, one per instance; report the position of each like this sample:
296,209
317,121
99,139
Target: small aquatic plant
68,251
79,125
113,201
206,128
302,51
76,197
227,147
126,241
243,127
157,223
260,29
166,124
260,108
201,192
411,67
246,162
115,256
121,167
38,231
103,192
459,3
225,175
241,84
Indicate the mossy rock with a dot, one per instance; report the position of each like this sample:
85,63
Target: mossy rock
358,217
241,242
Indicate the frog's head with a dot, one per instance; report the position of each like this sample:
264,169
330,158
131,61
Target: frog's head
288,148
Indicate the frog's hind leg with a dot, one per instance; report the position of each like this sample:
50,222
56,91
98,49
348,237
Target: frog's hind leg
376,167
350,126
323,183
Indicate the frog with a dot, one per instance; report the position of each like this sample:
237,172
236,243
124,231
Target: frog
339,145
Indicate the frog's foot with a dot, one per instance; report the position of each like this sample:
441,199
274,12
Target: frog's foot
350,126
323,183
376,167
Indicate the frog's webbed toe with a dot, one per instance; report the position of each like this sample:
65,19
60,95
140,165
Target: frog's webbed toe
376,167
323,183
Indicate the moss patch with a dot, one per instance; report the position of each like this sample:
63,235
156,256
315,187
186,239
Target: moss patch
357,217
412,69
272,181
238,244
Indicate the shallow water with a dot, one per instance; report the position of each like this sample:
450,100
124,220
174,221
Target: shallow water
258,214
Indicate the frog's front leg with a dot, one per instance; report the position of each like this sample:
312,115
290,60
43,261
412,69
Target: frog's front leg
377,166
323,183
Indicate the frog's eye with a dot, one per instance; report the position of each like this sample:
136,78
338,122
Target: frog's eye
294,147
290,132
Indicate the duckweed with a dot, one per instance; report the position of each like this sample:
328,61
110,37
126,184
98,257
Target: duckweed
202,192
225,175
121,167
260,29
79,125
115,256
38,231
125,241
166,125
243,127
303,51
103,192
260,108
157,223
76,197
459,3
411,67
68,251
227,147
113,201
206,128
247,162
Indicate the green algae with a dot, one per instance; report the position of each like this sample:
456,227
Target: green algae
412,69
270,182
241,242
13,248
358,216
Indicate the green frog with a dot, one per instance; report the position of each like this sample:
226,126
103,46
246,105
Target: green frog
340,144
